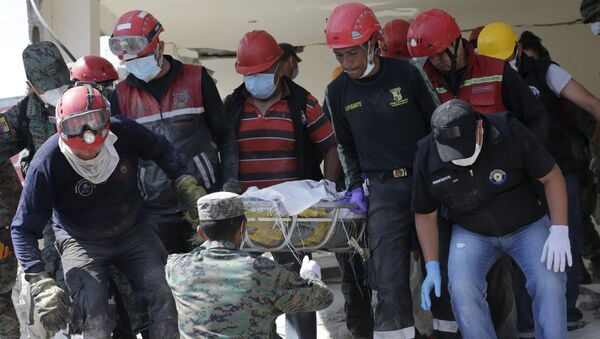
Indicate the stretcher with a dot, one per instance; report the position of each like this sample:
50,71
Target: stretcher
328,226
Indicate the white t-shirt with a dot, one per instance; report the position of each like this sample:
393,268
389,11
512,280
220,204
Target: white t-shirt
557,78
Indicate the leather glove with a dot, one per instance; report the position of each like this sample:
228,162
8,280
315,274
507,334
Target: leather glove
357,197
188,190
432,280
50,304
309,266
557,249
232,186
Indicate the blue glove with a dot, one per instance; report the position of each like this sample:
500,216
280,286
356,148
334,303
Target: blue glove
433,279
358,198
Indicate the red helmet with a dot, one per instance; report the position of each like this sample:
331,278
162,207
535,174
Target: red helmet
351,24
135,35
93,68
257,52
394,39
83,118
431,33
475,34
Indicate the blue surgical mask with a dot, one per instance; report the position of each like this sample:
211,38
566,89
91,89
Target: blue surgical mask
261,85
295,73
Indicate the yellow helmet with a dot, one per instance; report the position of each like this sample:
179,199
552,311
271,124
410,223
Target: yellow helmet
497,40
336,72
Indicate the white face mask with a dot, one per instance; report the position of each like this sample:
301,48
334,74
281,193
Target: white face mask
595,26
513,64
470,160
51,97
145,68
370,61
98,169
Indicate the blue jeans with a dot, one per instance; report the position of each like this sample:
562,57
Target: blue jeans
471,257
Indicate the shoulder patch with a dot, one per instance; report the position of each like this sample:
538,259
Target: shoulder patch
4,127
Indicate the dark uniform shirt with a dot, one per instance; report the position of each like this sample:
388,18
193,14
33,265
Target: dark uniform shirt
495,196
79,208
378,120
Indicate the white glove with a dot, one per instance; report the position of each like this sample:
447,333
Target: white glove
557,249
309,266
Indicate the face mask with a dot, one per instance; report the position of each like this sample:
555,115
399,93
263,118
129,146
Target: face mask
51,97
370,62
145,68
261,85
595,28
513,64
98,169
295,73
470,160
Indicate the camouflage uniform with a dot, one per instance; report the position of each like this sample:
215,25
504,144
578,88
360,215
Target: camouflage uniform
223,292
10,188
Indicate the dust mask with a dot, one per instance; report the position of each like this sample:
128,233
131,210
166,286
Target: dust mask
52,96
261,85
595,28
145,68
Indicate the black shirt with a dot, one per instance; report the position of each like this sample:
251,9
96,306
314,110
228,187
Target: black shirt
379,119
496,195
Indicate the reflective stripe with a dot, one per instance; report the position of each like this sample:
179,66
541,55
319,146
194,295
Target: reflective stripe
474,81
405,333
211,171
202,172
445,325
171,114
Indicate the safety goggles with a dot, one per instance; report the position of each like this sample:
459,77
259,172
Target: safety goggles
73,125
132,44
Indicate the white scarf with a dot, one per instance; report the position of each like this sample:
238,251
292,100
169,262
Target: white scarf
98,169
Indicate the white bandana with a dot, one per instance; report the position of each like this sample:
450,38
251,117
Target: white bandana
98,169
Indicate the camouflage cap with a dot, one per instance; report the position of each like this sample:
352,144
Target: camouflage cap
590,11
45,66
220,206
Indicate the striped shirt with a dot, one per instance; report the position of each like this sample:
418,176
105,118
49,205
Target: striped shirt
267,144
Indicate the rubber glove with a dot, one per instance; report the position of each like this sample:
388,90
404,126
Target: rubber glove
557,249
188,190
309,266
432,280
50,302
357,197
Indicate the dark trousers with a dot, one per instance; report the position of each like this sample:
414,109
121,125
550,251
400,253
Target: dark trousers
174,232
301,325
357,294
140,255
390,223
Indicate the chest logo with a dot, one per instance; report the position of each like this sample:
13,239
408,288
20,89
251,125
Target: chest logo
181,99
497,177
397,98
84,188
4,128
353,106
123,167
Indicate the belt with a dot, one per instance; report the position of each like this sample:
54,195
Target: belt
393,174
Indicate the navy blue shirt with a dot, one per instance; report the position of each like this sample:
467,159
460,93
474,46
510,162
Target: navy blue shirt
79,208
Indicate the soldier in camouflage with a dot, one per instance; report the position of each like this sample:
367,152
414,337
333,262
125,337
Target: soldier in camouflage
223,292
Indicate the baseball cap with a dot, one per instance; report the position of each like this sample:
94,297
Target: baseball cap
454,124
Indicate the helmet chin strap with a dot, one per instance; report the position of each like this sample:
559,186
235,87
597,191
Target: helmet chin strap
453,56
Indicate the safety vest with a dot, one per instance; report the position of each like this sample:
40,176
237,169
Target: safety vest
481,85
181,119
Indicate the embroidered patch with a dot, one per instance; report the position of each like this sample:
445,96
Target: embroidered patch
180,99
397,99
84,188
353,106
123,167
4,127
497,177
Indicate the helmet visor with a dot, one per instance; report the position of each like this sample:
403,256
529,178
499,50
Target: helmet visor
73,125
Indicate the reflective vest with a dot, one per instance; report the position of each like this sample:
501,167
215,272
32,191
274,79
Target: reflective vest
180,118
481,85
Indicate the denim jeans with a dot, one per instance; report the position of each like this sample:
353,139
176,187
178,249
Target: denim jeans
471,257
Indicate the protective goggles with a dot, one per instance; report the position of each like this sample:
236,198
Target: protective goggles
132,44
74,125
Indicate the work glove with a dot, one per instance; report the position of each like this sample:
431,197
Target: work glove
433,279
232,186
309,266
188,190
357,197
49,303
557,249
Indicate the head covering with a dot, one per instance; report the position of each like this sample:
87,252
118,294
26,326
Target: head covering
590,10
289,50
220,206
454,124
45,66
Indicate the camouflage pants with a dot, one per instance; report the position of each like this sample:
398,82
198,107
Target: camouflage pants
9,324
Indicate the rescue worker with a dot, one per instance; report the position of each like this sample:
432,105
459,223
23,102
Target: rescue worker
96,157
550,83
489,85
181,102
222,291
10,187
394,39
92,68
289,61
479,167
282,135
590,13
380,107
